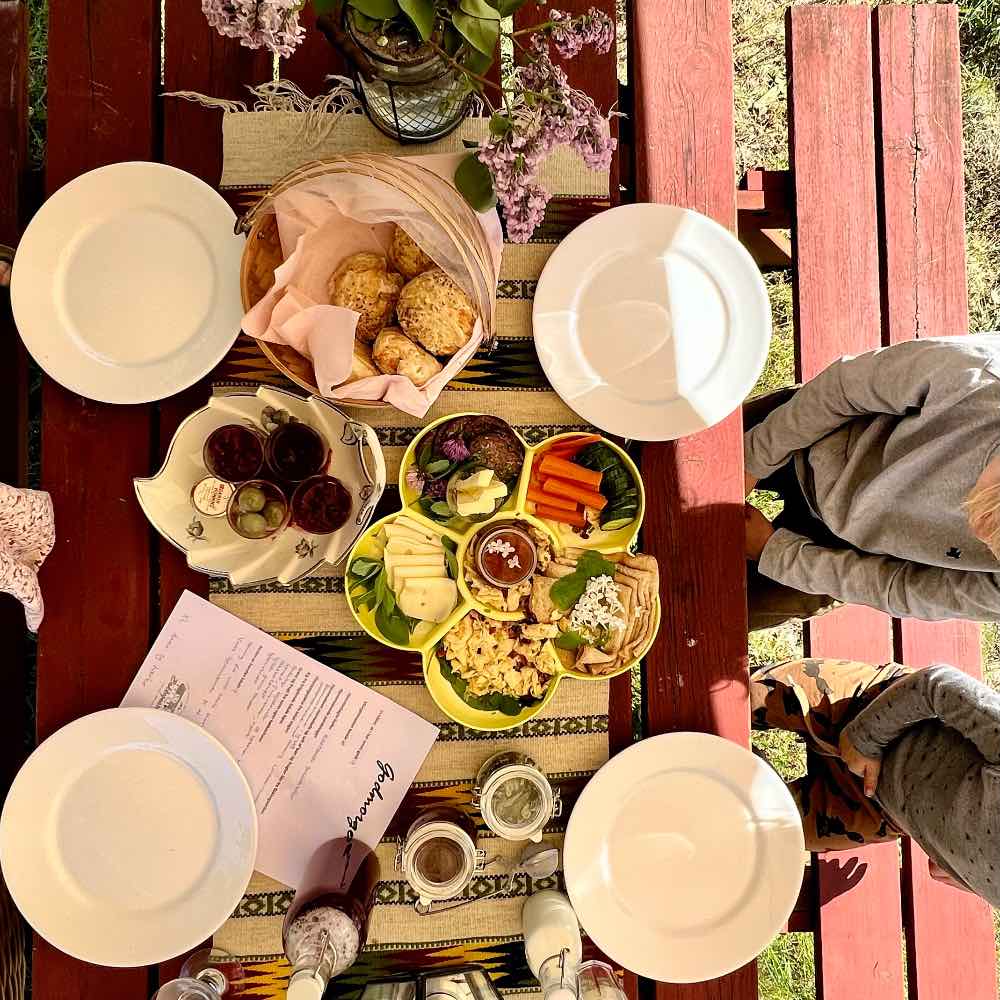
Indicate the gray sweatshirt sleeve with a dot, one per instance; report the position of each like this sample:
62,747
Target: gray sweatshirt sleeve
898,587
940,692
892,380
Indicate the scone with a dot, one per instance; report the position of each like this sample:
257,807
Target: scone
364,283
396,354
362,365
436,313
406,257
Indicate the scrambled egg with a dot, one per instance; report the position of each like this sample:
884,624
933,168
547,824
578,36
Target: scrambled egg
500,657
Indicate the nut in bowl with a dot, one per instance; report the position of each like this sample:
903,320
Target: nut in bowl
536,591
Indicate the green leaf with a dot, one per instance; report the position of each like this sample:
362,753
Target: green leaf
324,6
570,639
437,467
507,8
441,509
363,567
380,10
477,62
475,183
364,23
424,451
394,626
422,14
479,25
500,125
569,589
452,560
381,587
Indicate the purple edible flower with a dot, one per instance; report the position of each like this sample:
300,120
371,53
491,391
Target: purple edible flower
270,24
570,34
437,489
454,449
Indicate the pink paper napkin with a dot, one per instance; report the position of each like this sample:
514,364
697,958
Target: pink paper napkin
27,534
321,223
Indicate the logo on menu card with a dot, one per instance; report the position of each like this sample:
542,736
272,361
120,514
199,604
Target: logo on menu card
385,773
173,696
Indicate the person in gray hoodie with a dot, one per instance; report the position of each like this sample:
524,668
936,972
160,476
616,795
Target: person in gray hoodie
888,464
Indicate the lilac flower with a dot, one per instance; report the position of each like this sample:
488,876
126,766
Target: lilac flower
415,479
270,24
570,34
454,449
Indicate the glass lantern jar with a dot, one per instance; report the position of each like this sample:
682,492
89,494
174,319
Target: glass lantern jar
408,89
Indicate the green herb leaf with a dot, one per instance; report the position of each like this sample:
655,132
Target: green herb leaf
495,702
437,467
367,600
441,509
394,626
479,25
324,6
452,560
379,10
424,451
569,589
381,587
475,183
570,639
363,567
422,14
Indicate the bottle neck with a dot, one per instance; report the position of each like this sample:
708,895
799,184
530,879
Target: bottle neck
557,976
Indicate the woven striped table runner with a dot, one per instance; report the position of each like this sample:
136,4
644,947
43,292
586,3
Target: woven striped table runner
569,740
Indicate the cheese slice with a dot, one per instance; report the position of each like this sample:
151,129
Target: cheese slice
404,573
468,504
404,547
402,531
476,481
407,522
394,562
428,600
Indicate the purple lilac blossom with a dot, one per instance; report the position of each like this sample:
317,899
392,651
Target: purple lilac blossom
454,449
270,24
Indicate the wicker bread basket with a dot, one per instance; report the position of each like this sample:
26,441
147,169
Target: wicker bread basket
262,253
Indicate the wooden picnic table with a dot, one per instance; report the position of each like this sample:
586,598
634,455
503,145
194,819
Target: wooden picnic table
111,580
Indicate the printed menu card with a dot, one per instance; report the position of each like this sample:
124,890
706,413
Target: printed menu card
325,756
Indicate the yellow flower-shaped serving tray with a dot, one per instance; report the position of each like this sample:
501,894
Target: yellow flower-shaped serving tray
426,637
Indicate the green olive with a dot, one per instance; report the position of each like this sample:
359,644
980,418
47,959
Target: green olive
253,525
274,513
251,500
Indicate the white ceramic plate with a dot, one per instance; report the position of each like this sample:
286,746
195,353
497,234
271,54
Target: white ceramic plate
211,545
128,837
652,322
126,284
684,857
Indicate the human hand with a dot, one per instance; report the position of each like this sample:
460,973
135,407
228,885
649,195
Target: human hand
749,482
758,532
866,768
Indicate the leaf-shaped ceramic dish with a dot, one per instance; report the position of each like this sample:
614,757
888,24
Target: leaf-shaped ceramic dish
210,543
459,533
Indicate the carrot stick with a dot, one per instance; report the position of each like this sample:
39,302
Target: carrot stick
540,496
574,518
576,441
552,465
573,491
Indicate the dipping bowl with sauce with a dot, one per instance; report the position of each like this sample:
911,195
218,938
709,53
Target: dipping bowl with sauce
506,555
295,451
234,453
257,509
321,505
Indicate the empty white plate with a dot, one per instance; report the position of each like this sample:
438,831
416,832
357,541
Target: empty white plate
125,285
128,837
684,857
652,322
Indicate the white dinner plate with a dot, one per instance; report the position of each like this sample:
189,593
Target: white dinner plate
125,286
651,321
684,857
128,837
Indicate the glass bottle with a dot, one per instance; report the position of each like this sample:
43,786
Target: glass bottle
327,924
552,943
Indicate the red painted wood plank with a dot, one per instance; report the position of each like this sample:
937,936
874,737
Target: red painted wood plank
919,132
837,311
313,60
14,723
102,76
682,73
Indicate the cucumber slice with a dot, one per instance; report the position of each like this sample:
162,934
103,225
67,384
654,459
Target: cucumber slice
616,481
616,516
597,456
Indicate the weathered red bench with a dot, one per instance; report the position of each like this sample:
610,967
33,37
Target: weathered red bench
876,205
